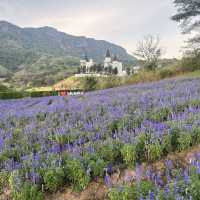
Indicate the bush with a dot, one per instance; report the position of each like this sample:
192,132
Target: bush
144,187
129,154
166,144
196,136
53,178
13,95
184,141
16,181
194,187
28,192
124,193
140,147
89,83
175,133
166,72
4,177
95,164
76,174
159,115
97,168
107,152
191,63
153,151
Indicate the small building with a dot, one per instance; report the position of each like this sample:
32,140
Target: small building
87,63
65,92
113,63
135,69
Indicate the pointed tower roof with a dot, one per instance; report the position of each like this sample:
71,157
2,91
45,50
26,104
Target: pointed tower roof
108,53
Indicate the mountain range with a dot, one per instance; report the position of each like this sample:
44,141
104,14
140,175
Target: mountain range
43,56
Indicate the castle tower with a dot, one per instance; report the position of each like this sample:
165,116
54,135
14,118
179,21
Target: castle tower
83,62
117,64
108,59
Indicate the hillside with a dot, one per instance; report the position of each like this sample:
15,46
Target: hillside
39,56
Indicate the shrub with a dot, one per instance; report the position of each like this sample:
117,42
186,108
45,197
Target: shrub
95,164
4,177
184,141
153,151
191,63
53,178
175,133
144,187
28,192
107,152
194,187
89,83
196,136
124,193
166,144
16,180
113,127
129,154
12,95
76,174
159,115
166,72
140,147
97,168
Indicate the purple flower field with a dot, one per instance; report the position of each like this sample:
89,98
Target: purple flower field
52,141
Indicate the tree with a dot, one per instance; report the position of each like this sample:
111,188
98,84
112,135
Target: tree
188,15
99,68
115,71
149,51
128,70
83,69
78,70
110,69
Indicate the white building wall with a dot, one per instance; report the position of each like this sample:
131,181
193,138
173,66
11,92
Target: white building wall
83,63
107,62
118,65
89,65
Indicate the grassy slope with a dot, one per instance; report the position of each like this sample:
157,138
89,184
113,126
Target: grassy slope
108,82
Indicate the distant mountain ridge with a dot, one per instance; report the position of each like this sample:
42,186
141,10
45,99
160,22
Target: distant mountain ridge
22,48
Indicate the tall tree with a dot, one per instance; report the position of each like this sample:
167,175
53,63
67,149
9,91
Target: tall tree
149,51
188,15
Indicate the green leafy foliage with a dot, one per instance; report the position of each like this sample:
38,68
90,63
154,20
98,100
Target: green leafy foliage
107,152
53,178
4,179
159,115
28,192
76,174
184,141
129,154
140,147
153,151
196,136
124,193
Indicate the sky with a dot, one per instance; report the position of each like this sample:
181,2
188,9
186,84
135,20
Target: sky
123,22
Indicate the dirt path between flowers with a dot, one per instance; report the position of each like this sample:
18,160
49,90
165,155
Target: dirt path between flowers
97,190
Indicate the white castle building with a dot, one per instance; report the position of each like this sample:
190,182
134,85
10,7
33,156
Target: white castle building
87,63
108,63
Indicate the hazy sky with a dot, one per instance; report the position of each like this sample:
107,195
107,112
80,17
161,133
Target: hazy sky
123,22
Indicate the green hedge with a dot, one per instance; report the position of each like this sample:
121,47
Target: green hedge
22,94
